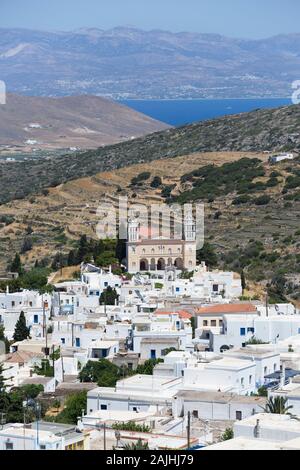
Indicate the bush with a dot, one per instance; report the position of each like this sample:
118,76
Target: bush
241,200
262,200
140,178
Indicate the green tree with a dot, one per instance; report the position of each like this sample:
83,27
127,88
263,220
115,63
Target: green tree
73,408
4,338
21,330
207,254
262,391
83,250
103,372
243,280
148,366
108,296
2,380
227,434
156,182
16,265
277,406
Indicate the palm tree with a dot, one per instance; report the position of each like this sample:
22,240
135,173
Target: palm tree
277,406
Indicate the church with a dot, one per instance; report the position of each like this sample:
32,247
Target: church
151,254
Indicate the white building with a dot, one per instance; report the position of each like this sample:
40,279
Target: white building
137,393
226,375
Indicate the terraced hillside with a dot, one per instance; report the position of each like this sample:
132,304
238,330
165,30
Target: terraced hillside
258,131
251,211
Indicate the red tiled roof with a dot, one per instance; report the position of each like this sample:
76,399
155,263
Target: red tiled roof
226,309
180,313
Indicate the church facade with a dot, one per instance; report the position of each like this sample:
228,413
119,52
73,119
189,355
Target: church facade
157,254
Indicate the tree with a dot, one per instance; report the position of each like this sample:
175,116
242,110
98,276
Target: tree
2,380
16,265
262,391
148,366
4,339
108,296
207,254
243,280
156,182
83,249
103,372
227,434
21,330
27,245
277,406
73,408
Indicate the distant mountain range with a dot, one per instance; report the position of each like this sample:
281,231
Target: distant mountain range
130,63
75,121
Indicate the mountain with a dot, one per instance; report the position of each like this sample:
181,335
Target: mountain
75,121
258,131
131,63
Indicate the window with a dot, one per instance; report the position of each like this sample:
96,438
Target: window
9,446
213,323
153,354
242,381
13,303
242,331
134,408
205,322
250,379
195,414
220,322
238,415
103,407
130,365
42,447
35,319
250,330
77,342
275,367
177,289
265,370
63,341
215,288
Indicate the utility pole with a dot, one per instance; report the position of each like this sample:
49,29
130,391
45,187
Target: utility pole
188,428
104,436
267,304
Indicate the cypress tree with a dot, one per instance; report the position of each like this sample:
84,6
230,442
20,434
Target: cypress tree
16,265
243,280
21,330
2,380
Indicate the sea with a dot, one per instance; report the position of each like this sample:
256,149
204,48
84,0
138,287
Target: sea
181,112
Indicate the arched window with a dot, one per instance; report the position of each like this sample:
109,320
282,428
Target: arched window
144,266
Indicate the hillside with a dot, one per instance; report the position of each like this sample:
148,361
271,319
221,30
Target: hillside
258,131
252,209
75,121
126,62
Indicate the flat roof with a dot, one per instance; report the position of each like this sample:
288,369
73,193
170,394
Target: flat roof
219,397
243,443
274,421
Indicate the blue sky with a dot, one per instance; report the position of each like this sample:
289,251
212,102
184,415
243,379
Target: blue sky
236,18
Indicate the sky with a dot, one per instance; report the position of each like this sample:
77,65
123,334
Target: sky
233,18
